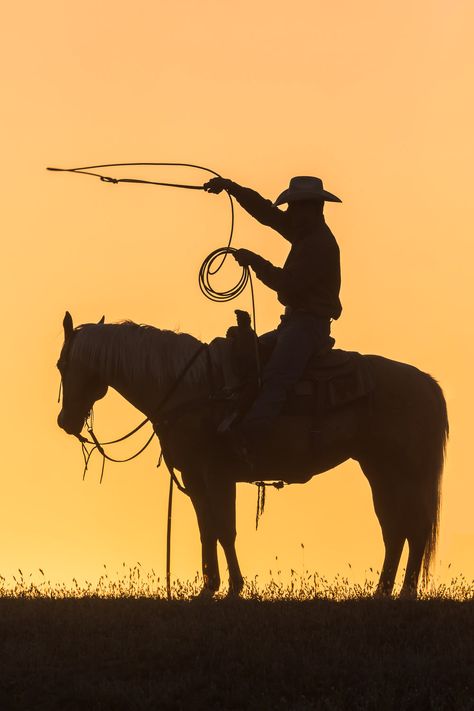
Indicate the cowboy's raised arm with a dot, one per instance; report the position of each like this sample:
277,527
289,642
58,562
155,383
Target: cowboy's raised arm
261,209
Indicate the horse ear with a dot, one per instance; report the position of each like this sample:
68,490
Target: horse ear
101,321
67,325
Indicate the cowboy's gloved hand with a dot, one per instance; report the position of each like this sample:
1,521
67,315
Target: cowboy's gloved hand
217,185
245,257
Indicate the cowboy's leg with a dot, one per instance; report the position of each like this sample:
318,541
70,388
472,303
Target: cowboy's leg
268,340
299,337
266,345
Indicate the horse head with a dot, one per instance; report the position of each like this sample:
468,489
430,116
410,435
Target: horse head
81,384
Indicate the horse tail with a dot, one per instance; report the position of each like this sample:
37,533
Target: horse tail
435,471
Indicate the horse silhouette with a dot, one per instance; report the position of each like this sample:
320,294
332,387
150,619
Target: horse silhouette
398,436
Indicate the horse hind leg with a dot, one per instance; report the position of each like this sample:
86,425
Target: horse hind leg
423,521
404,514
389,512
394,541
420,531
416,546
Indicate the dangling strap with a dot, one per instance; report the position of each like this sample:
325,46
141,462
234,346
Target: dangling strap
261,490
260,502
172,473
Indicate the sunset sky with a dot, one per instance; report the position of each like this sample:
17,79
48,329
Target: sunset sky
375,97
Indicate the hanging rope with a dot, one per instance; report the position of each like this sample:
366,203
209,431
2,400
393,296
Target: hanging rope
260,502
168,540
261,492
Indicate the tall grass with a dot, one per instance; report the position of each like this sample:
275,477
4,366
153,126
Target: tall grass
133,582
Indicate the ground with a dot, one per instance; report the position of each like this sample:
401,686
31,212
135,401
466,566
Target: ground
144,653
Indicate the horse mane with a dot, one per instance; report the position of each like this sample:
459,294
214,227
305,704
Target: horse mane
137,350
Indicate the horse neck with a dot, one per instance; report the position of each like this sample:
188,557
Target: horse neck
152,396
145,366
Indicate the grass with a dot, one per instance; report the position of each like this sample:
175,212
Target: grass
306,644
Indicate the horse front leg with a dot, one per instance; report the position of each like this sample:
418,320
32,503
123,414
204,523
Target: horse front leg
236,581
210,565
222,493
208,535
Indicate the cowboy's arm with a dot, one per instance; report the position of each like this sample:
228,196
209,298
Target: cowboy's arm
261,209
274,277
291,281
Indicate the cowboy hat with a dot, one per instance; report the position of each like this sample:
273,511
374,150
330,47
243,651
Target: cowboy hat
305,187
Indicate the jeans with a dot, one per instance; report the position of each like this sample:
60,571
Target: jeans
299,336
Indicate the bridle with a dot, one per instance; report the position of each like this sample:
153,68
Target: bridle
154,419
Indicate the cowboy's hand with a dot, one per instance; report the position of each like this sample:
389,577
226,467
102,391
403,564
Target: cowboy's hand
217,185
245,257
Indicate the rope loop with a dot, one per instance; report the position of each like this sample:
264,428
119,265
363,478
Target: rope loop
207,271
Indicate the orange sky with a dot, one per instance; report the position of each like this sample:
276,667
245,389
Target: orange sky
375,97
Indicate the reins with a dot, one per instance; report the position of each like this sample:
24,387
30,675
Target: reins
99,446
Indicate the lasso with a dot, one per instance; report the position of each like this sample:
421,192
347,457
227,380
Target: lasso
207,270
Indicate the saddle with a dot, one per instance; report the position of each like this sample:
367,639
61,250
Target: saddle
332,379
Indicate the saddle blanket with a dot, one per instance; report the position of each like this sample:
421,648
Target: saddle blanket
331,380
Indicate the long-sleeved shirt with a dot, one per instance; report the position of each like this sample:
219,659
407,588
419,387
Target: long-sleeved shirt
310,279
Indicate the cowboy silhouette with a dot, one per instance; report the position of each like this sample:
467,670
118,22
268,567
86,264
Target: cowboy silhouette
307,285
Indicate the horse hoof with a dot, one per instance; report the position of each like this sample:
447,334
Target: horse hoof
233,595
234,592
205,594
381,594
408,594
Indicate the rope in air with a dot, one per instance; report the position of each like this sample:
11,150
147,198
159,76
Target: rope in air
207,269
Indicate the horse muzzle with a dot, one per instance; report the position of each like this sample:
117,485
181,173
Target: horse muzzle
69,425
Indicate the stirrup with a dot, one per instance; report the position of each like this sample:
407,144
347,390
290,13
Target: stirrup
226,424
240,453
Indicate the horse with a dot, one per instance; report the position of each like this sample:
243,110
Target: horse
397,435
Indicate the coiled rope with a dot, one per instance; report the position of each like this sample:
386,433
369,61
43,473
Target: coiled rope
207,271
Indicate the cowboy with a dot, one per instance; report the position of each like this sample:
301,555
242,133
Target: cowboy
307,285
